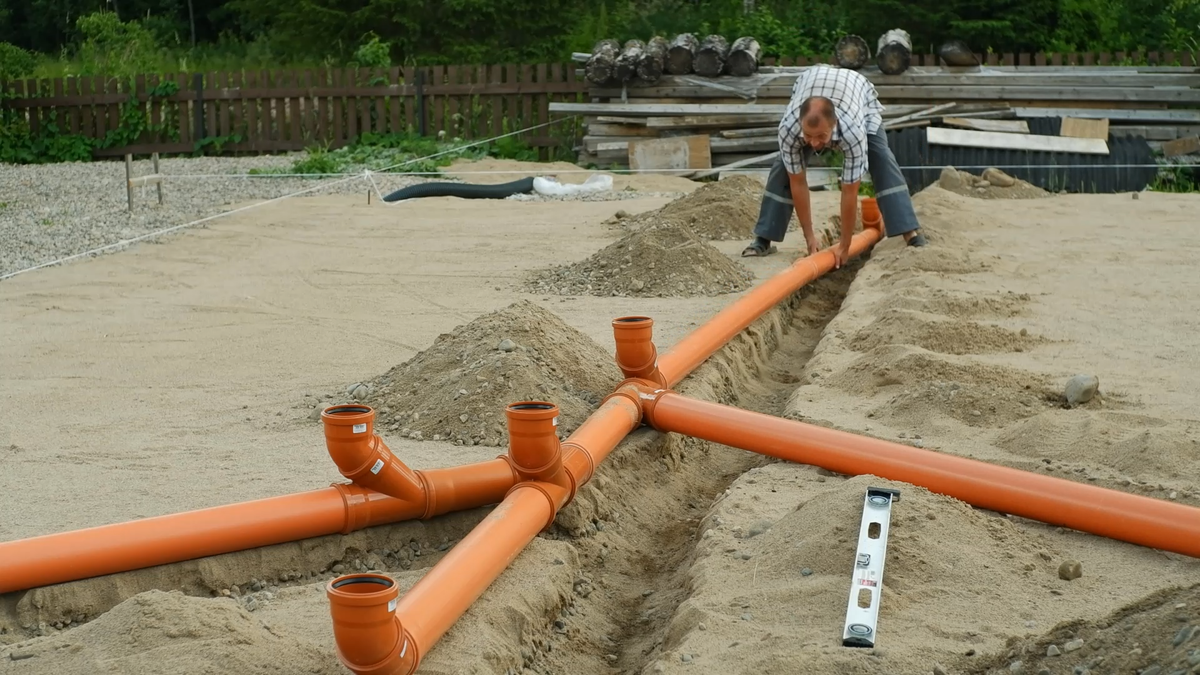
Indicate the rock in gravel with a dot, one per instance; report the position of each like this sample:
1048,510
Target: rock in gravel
1080,389
939,670
998,178
1073,645
950,179
506,345
1053,650
1070,570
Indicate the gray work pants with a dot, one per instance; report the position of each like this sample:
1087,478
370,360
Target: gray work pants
891,192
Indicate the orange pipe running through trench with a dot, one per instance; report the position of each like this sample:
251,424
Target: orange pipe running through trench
703,342
1114,514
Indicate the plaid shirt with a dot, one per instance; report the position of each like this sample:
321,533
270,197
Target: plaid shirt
858,110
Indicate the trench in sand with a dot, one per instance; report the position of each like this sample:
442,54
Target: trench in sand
605,606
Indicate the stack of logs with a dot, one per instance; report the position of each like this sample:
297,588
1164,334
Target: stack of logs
611,64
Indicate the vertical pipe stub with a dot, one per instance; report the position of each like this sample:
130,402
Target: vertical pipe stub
637,356
871,216
370,639
533,443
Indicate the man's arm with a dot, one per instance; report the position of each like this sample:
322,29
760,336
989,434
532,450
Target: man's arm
803,205
841,250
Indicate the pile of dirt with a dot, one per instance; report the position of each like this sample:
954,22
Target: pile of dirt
726,209
657,261
927,386
762,555
1136,446
458,388
947,336
991,184
1159,634
162,632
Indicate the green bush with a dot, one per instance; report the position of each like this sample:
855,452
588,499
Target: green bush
15,62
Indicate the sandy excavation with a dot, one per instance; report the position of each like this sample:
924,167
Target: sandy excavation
680,556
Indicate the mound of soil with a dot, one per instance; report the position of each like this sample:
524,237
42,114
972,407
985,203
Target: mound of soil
726,209
992,184
656,261
160,632
457,389
965,305
976,394
1158,634
949,336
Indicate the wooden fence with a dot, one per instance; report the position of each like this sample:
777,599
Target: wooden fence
286,110
283,110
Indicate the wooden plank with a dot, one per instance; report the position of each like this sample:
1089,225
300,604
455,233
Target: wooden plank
1182,146
610,119
708,121
750,133
1076,127
348,76
1156,132
620,130
225,106
526,103
1184,116
395,104
87,122
992,139
363,101
253,129
211,120
1003,126
1115,91
684,153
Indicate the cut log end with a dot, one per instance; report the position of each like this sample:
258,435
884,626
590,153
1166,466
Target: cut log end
852,52
681,54
744,57
894,53
711,56
653,61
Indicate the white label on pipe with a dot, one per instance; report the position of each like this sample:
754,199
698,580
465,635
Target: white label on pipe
554,421
360,428
378,466
392,604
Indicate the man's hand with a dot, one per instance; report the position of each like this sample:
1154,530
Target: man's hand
841,253
814,244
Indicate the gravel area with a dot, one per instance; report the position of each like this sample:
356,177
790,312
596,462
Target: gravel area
51,211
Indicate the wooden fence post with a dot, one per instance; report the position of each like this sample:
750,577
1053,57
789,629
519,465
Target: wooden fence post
198,111
421,102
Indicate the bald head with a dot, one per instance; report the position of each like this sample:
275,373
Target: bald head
816,112
817,120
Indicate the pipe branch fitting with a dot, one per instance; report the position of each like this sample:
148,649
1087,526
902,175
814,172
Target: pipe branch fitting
536,453
363,457
871,216
370,639
637,357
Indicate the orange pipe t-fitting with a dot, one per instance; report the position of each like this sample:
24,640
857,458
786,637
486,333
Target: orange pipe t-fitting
536,453
637,356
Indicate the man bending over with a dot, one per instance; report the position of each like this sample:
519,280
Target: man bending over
836,107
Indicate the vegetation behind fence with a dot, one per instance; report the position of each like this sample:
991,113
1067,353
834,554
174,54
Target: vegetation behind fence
288,110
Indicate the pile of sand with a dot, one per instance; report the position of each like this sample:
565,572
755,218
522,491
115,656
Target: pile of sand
950,335
726,209
1158,634
991,184
658,261
457,389
160,632
787,534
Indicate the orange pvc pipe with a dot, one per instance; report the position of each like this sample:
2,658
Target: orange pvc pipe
138,544
636,353
708,338
363,457
366,628
1114,514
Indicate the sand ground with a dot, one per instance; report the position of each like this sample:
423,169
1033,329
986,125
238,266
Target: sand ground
170,377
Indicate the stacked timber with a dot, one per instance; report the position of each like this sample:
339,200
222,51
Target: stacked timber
739,116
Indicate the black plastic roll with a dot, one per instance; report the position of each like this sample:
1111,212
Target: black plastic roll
463,190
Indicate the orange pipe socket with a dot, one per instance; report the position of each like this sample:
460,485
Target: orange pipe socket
370,639
363,457
711,336
871,217
636,355
1109,513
